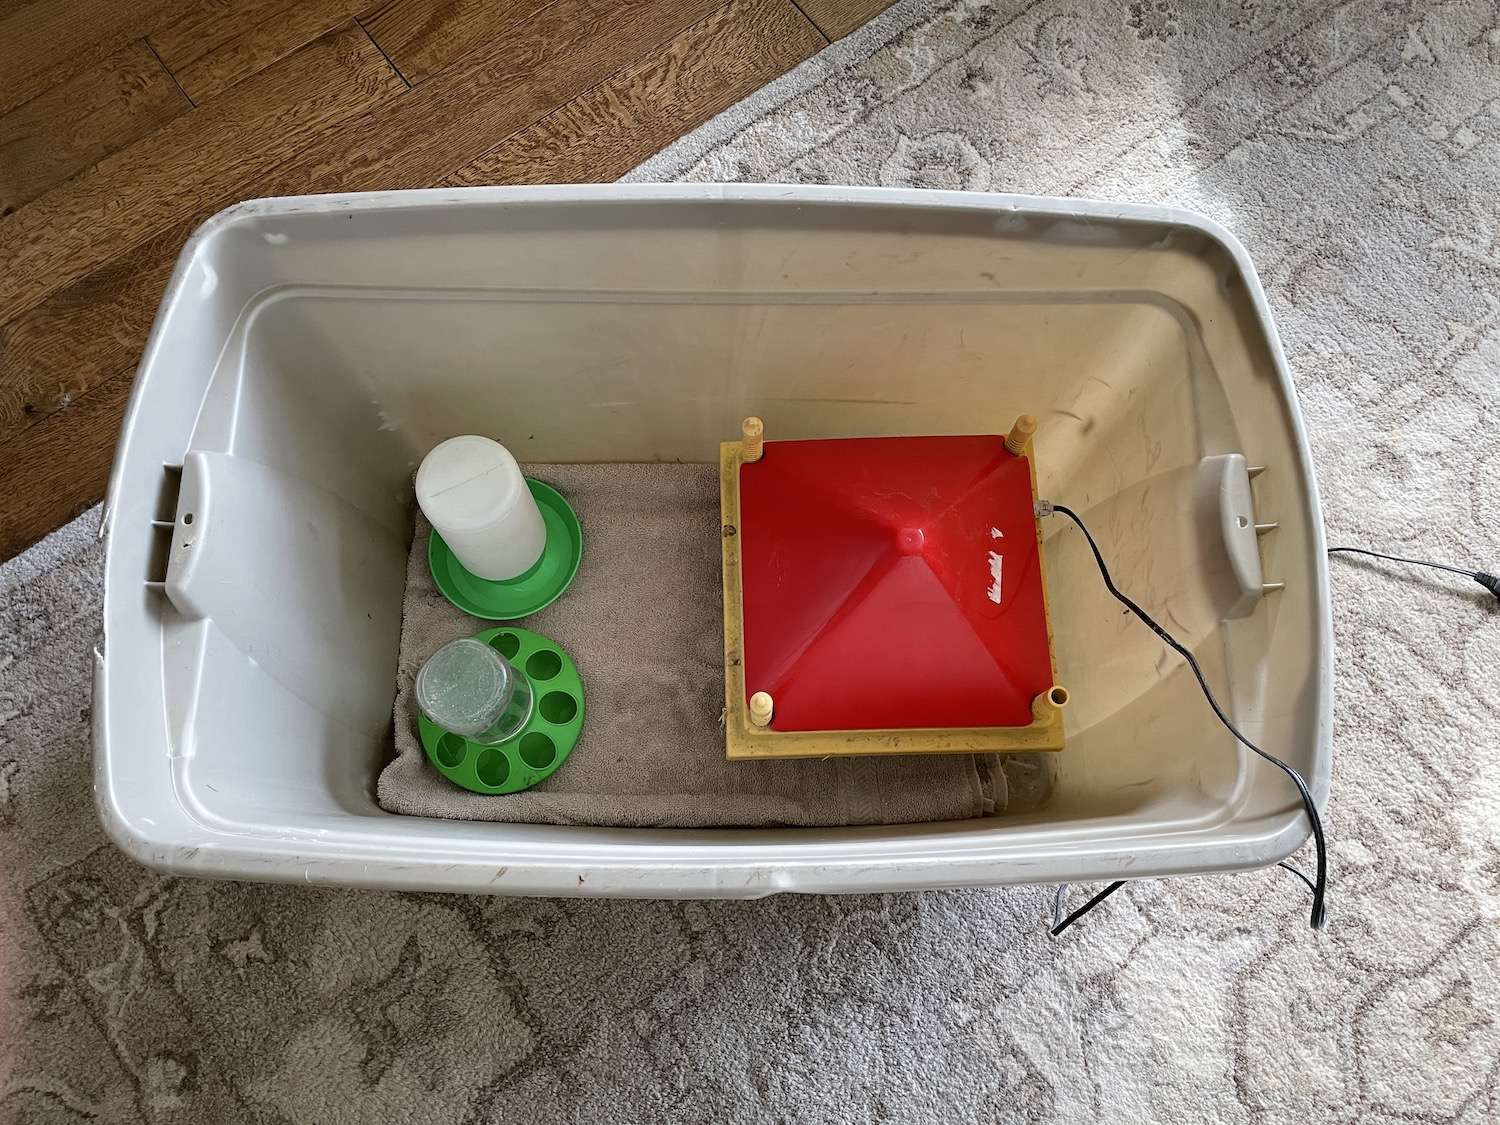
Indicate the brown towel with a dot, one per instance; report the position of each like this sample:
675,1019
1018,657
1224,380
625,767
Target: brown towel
644,623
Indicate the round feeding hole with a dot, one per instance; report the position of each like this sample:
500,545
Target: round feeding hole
558,707
1059,696
1242,521
188,518
544,665
493,767
506,644
537,750
450,750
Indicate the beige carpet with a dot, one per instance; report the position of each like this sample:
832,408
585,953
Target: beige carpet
1354,148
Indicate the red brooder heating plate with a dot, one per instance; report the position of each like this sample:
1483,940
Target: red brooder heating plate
892,583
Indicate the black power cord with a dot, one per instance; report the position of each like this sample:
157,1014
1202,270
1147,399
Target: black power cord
1489,581
1319,883
1086,907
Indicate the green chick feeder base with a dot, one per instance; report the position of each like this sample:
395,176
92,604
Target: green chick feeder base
535,752
538,588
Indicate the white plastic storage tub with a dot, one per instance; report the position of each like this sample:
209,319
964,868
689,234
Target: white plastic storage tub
309,350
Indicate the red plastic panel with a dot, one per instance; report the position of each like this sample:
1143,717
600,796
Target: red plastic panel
892,583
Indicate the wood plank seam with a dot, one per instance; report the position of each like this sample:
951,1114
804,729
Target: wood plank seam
796,4
146,42
837,18
389,61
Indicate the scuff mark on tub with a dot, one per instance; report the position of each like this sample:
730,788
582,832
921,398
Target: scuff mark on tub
995,565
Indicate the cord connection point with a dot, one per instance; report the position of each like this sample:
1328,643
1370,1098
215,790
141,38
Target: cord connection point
1489,581
1043,508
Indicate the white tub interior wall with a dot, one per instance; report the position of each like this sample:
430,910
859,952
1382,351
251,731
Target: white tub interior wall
310,352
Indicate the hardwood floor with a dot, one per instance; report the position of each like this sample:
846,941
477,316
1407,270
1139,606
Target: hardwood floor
122,126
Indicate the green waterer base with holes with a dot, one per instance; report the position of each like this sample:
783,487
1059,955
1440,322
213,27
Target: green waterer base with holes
542,744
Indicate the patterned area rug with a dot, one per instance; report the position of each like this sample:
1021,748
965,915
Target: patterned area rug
1356,149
